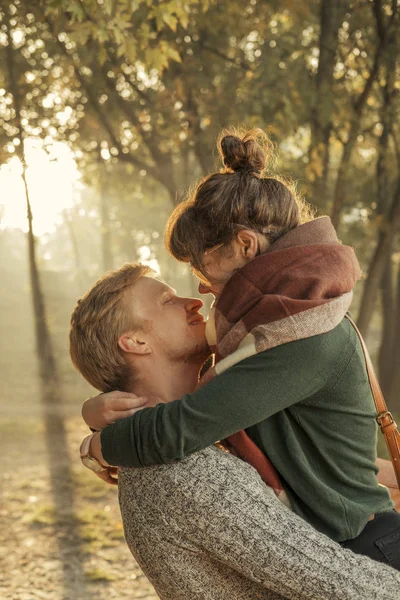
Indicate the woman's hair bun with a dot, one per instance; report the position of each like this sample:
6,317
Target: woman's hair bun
244,151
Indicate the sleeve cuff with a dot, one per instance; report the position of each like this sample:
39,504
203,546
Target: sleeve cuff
107,445
118,444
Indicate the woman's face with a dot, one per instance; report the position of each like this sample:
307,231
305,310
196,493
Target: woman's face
219,266
222,261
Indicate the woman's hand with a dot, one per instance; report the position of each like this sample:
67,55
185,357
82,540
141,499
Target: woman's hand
104,409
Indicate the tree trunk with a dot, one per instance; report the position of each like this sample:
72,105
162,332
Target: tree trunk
321,123
378,263
75,250
47,364
55,433
386,365
393,399
202,150
387,232
341,179
384,35
385,359
105,230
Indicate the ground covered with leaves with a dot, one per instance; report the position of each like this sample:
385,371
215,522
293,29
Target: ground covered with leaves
61,536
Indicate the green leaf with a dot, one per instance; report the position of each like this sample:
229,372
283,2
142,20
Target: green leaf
81,33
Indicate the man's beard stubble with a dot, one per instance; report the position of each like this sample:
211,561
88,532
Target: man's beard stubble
198,353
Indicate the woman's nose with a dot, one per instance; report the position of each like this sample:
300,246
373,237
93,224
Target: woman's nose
204,289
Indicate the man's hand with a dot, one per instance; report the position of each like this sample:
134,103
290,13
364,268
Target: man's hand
109,475
104,409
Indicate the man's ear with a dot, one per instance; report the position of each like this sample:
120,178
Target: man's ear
134,343
248,243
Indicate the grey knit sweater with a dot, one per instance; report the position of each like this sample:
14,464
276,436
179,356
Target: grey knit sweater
208,528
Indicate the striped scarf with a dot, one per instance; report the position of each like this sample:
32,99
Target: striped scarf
301,287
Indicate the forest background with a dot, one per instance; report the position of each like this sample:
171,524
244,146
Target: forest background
109,111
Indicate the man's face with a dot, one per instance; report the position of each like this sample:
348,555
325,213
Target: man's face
173,325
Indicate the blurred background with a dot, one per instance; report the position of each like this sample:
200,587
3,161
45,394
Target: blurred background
109,111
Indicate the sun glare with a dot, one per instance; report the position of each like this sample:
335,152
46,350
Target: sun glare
52,178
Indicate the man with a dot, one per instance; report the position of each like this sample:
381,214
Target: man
206,527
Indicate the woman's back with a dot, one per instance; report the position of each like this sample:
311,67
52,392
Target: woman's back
325,444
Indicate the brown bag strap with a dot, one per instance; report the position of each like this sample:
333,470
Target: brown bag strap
384,418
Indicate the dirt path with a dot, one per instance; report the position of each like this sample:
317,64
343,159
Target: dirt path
61,534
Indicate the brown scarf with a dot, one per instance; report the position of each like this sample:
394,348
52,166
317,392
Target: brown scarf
301,287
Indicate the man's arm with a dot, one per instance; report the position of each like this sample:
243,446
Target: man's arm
230,513
219,506
242,396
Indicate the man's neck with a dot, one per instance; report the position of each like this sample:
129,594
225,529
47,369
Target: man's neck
164,380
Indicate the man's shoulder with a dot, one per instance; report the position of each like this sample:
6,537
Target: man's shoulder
211,469
206,487
211,460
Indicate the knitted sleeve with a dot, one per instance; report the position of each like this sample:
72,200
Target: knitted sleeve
221,506
242,396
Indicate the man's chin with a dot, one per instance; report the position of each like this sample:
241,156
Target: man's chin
198,353
202,351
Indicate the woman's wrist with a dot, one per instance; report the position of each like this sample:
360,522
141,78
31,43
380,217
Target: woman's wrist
95,449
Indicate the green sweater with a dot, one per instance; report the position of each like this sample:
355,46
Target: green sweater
307,404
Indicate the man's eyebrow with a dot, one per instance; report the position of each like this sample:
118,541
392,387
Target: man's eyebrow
167,292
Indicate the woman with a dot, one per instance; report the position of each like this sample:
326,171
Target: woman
290,367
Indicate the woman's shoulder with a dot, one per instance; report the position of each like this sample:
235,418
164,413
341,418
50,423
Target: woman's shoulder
311,364
312,351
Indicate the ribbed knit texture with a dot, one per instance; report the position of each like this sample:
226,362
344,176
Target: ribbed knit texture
208,528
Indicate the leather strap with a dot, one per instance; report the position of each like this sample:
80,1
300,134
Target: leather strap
85,446
384,418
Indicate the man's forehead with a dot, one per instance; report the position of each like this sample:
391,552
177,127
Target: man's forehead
159,285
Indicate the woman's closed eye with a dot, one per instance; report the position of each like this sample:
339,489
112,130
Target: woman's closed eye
199,275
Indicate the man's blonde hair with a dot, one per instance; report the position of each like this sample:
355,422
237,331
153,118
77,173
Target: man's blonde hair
100,317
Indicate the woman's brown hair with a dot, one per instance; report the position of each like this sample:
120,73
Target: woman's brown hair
240,196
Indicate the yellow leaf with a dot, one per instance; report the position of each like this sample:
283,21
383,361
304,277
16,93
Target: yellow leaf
174,55
171,21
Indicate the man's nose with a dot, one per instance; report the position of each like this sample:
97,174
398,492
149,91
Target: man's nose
193,304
